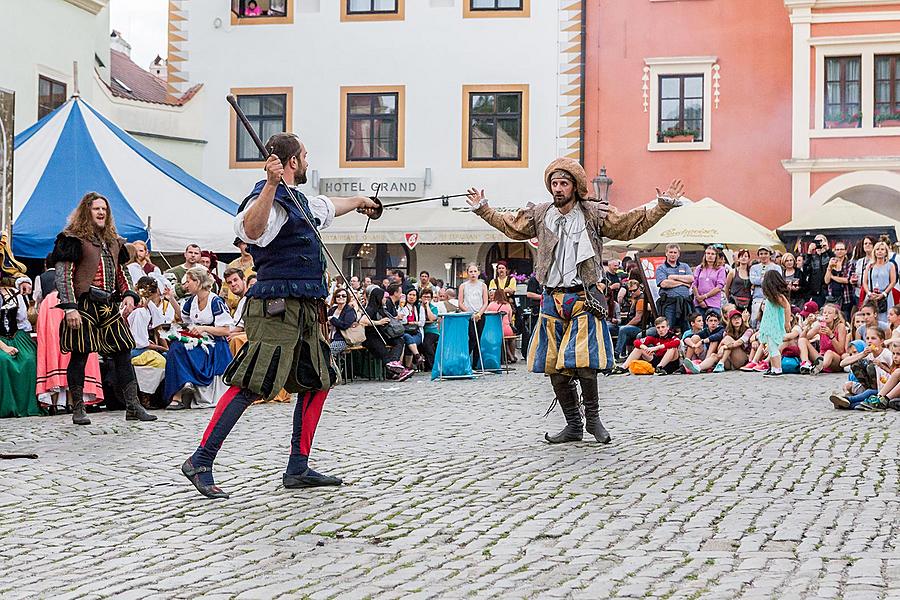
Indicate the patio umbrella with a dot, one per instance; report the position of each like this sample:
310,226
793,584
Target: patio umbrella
698,224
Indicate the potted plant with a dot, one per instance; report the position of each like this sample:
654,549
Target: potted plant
679,135
845,122
887,120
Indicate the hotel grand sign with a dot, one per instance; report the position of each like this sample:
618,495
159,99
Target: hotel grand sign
386,187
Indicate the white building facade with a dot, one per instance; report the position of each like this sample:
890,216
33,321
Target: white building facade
421,97
47,36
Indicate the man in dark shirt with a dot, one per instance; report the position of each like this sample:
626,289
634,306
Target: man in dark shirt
815,265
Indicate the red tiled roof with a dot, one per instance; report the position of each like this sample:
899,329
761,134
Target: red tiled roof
128,80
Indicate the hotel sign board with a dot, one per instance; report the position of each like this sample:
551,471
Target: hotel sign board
387,187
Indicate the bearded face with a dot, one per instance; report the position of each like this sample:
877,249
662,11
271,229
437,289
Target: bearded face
563,191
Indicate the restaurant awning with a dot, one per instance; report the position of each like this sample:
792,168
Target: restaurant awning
434,224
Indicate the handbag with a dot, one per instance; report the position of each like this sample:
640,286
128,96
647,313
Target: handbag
393,329
354,335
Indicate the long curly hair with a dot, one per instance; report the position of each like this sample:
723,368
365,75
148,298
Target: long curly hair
81,225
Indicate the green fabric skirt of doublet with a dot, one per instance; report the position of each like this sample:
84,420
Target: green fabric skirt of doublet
285,351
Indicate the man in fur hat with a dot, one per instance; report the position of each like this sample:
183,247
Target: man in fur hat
569,341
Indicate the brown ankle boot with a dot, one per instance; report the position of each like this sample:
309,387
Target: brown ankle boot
133,409
79,416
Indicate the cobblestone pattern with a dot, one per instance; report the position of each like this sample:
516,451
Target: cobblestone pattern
726,486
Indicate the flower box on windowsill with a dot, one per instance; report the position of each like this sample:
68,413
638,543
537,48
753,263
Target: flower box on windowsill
678,139
889,123
842,124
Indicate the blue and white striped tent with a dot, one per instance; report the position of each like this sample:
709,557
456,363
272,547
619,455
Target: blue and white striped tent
75,150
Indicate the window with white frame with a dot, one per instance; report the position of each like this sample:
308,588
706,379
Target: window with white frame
857,90
679,97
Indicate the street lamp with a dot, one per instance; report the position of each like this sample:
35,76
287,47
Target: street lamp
447,267
602,183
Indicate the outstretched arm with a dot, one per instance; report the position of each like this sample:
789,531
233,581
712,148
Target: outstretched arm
518,226
629,225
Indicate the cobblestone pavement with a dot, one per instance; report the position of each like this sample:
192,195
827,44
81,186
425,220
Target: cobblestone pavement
718,486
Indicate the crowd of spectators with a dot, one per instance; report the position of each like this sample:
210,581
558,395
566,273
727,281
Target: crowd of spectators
825,309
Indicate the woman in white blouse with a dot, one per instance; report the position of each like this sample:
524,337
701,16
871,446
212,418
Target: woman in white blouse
195,362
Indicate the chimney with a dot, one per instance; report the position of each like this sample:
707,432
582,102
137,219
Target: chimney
158,68
117,42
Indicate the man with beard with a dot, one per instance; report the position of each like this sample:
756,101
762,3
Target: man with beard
571,341
90,277
282,315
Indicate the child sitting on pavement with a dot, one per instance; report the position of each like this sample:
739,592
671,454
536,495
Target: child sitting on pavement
889,393
695,320
859,323
704,343
868,367
830,330
733,351
660,350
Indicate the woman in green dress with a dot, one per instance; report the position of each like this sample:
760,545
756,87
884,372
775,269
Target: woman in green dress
18,354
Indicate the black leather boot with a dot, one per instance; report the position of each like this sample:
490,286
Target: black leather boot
591,400
133,409
567,397
79,416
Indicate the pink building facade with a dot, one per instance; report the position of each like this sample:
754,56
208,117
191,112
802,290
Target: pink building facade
755,104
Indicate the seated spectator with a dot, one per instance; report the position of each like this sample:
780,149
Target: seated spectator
141,265
341,317
209,260
18,354
830,331
500,304
709,281
252,9
660,350
695,326
889,392
447,302
197,359
412,315
148,354
388,353
431,329
894,322
869,318
244,264
628,332
236,285
870,368
733,352
704,343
